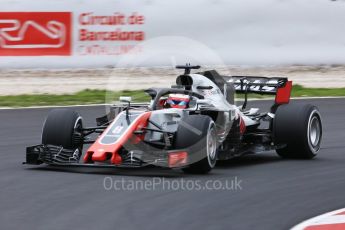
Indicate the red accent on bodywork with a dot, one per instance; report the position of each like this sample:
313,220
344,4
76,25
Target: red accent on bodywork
283,94
242,126
177,159
102,152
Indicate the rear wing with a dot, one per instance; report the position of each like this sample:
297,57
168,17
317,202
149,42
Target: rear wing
281,87
260,85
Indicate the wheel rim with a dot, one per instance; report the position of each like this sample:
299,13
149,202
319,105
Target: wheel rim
314,132
77,132
78,124
211,146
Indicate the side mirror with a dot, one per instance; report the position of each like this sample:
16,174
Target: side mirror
125,99
128,101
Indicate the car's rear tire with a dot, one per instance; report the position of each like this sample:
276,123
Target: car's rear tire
197,134
298,128
63,127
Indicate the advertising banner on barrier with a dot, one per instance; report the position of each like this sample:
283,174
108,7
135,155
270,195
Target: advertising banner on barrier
108,34
50,33
35,33
81,33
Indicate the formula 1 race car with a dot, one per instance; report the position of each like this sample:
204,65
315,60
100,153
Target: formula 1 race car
188,126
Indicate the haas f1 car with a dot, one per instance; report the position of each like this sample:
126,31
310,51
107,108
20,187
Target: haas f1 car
188,126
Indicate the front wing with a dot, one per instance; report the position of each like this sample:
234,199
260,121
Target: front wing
58,156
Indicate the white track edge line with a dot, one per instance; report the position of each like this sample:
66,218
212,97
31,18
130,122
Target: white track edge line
309,222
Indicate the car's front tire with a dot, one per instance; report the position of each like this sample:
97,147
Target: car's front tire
197,134
298,128
63,127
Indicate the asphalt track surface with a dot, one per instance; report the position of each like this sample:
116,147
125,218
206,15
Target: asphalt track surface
275,194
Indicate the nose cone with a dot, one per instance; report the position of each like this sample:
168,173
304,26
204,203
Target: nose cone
109,143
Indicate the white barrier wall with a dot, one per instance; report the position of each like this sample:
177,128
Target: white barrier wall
82,33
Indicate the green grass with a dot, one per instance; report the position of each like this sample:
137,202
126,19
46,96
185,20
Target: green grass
300,91
82,97
99,97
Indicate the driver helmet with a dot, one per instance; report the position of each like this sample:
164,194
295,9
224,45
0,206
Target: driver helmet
179,101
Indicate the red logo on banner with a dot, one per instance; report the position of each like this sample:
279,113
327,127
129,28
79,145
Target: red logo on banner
35,33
